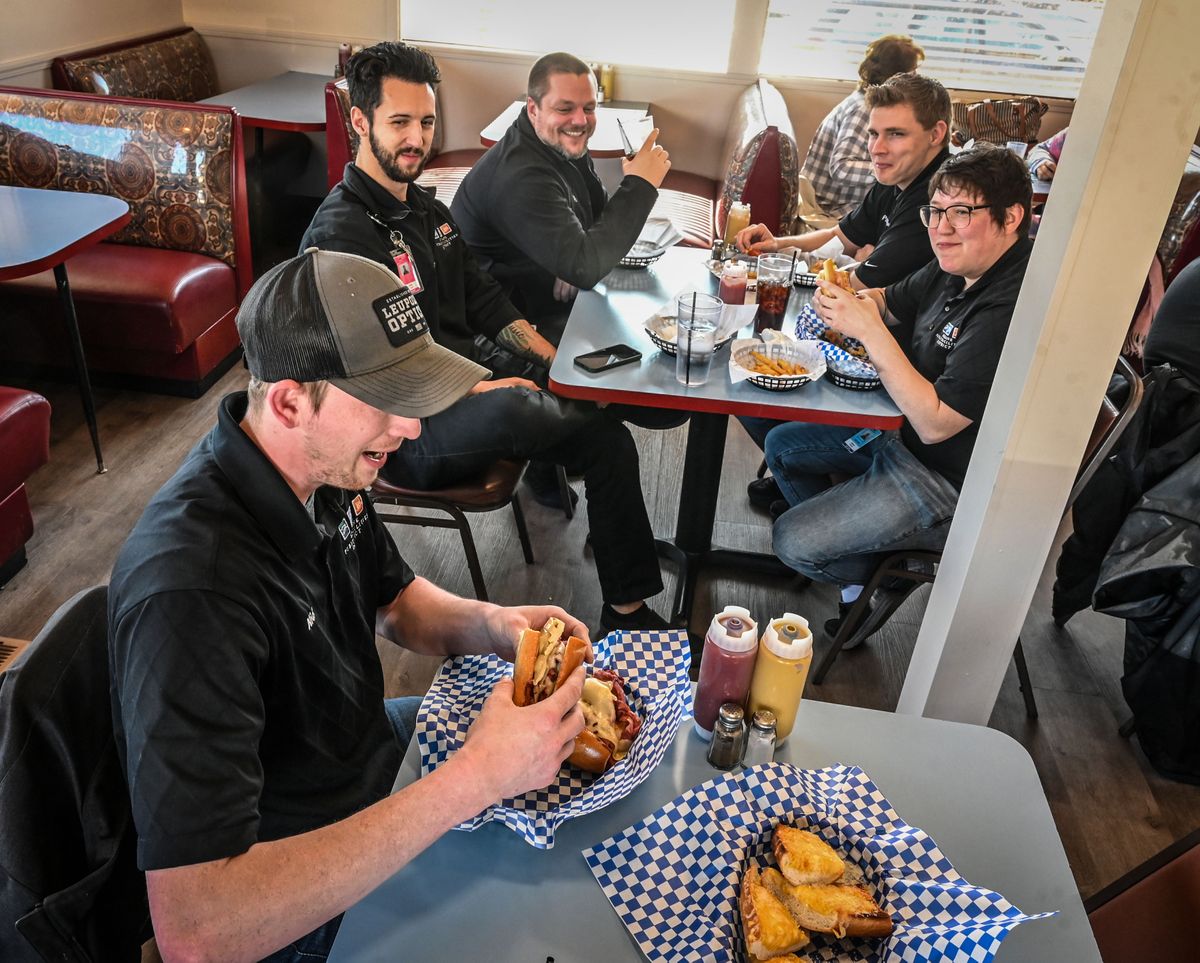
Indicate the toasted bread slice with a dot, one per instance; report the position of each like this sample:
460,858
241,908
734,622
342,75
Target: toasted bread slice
770,928
826,908
804,857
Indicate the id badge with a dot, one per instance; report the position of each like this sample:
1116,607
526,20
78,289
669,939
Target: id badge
406,268
861,438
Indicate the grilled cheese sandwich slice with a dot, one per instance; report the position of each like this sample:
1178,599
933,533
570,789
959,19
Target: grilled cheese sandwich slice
770,928
826,908
804,857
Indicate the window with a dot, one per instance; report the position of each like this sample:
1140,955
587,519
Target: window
678,35
1018,46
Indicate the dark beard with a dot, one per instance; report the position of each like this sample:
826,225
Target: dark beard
389,165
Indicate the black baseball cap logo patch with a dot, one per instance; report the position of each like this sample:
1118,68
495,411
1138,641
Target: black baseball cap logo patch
401,317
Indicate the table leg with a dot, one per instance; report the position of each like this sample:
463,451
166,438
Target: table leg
81,371
698,493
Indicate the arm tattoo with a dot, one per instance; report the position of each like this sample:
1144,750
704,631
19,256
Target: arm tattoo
520,338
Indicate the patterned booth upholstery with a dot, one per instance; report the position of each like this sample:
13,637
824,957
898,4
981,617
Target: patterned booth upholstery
167,66
761,167
157,301
444,172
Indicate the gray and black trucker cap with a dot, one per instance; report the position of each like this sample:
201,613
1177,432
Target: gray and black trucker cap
341,318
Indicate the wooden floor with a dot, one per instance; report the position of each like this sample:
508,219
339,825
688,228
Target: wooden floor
1112,810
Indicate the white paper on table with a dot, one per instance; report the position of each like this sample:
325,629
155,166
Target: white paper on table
637,124
734,317
659,232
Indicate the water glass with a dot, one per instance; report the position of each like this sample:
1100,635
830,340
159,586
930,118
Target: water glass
697,317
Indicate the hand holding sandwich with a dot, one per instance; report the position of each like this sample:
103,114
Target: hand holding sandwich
505,625
512,749
856,315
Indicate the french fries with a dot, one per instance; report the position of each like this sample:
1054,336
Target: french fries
774,366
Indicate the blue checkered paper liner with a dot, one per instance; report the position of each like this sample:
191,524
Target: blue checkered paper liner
674,877
811,328
654,667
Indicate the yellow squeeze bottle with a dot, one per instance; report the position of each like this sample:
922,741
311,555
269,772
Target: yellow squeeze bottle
780,671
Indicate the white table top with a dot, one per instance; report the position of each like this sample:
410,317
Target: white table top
41,228
615,312
604,142
288,101
487,895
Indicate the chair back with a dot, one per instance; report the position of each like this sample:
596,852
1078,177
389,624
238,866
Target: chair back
70,889
1111,422
341,140
1151,912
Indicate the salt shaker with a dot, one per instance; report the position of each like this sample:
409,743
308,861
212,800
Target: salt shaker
725,750
760,740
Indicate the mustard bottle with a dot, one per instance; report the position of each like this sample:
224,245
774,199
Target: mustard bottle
780,671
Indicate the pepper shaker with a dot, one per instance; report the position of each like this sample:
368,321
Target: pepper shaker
725,750
760,740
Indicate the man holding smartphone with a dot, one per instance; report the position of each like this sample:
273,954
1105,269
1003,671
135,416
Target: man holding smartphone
533,209
378,212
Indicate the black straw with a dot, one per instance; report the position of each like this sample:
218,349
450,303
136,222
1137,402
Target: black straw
687,365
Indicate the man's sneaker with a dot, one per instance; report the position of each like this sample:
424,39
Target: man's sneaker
643,619
552,497
762,492
832,625
778,507
883,604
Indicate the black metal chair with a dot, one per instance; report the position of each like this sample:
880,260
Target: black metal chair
493,489
903,572
70,888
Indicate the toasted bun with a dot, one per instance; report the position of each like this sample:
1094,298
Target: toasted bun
590,754
804,857
574,649
527,649
770,929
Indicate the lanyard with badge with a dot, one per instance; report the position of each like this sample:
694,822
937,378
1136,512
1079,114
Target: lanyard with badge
402,255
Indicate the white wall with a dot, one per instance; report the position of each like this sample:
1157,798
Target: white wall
34,33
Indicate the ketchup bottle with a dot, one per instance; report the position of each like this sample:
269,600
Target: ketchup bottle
726,666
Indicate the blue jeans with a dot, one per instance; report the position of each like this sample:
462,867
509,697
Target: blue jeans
316,946
839,533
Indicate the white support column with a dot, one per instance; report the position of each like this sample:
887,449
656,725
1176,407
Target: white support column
1133,125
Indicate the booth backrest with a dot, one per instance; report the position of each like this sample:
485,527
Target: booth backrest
761,161
179,166
175,65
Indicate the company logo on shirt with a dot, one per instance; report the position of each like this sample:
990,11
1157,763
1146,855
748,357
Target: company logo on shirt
357,504
352,524
444,235
947,336
312,618
887,221
401,317
344,530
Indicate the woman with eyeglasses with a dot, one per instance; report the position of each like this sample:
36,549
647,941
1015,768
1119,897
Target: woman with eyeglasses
935,338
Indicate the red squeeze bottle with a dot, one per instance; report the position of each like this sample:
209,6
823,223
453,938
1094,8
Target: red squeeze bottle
726,666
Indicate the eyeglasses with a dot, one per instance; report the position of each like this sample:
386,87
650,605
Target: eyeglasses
959,215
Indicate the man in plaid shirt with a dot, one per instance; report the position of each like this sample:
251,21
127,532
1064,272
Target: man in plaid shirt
838,164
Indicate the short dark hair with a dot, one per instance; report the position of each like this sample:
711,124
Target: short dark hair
552,63
894,54
994,175
927,98
366,70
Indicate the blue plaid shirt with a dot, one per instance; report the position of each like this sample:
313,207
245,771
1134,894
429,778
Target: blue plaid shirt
838,163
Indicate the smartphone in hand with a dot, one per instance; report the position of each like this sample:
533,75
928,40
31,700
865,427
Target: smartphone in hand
605,358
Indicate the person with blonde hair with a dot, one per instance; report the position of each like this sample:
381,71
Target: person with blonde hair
838,164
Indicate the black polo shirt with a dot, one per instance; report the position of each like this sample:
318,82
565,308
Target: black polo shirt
247,690
954,337
890,219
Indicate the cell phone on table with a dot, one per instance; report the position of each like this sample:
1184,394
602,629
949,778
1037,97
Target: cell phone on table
605,358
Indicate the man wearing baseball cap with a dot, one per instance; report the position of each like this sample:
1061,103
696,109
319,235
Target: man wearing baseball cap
247,691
